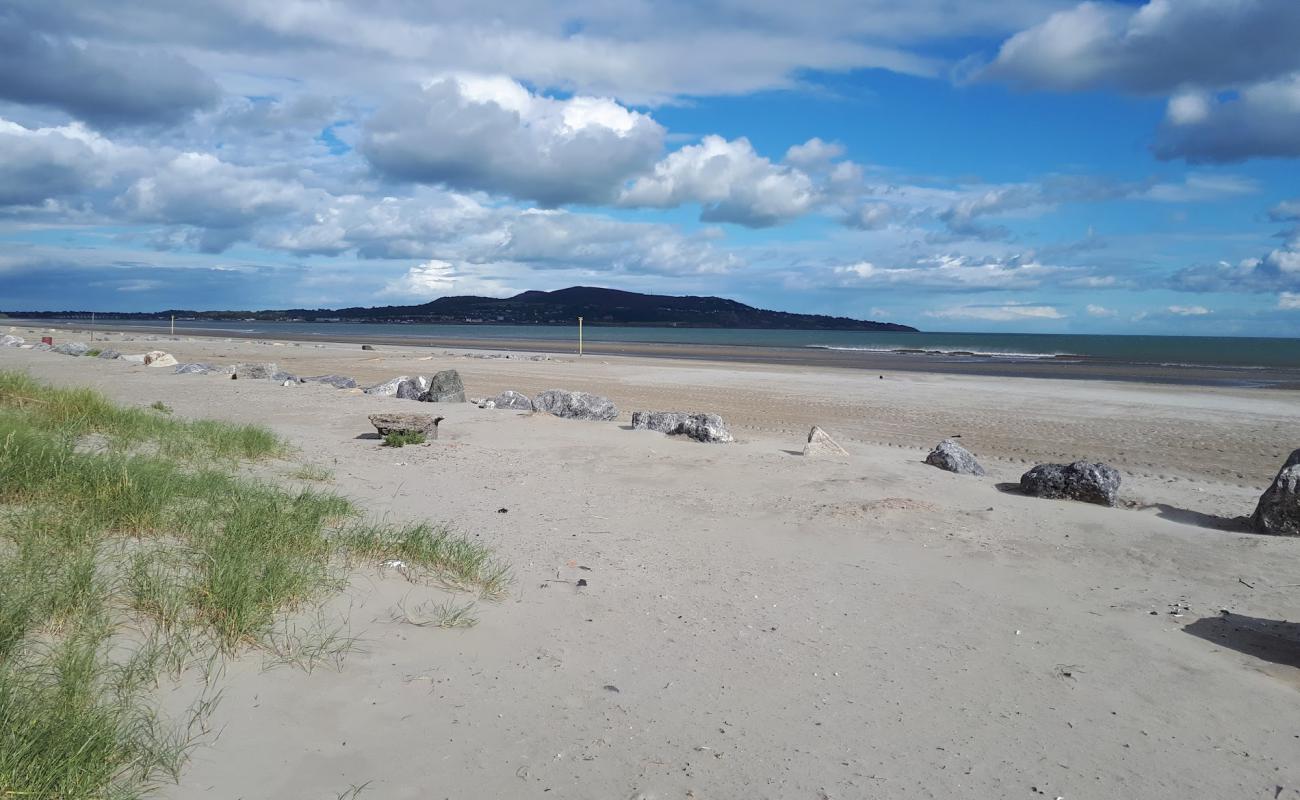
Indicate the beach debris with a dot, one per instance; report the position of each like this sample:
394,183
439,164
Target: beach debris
503,510
9,340
446,387
1278,511
72,349
609,687
516,401
700,427
195,369
256,371
582,581
950,456
367,347
337,381
821,445
426,424
575,405
1083,481
109,355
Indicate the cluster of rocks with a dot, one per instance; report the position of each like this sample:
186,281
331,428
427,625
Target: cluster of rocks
444,387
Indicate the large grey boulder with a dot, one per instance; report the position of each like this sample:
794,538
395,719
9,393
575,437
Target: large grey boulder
110,355
446,387
406,423
1278,512
821,445
12,341
73,348
263,371
700,427
1082,480
337,381
575,405
950,456
513,400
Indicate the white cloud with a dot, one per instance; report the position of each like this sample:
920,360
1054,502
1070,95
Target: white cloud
953,272
1101,311
1289,301
1189,311
731,181
1010,312
1260,120
489,133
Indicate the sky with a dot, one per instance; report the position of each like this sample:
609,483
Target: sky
1007,165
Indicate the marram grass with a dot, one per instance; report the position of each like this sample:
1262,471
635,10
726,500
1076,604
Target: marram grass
130,546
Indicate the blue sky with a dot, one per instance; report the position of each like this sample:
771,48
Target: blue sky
1018,165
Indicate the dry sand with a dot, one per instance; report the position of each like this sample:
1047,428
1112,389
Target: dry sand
762,625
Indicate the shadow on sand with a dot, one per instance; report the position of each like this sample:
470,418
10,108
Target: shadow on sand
1212,521
1277,641
369,436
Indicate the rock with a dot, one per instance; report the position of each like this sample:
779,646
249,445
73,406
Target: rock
12,341
446,387
700,427
367,347
73,349
511,399
157,358
134,358
953,457
1278,512
263,371
337,381
42,346
403,386
194,369
110,355
406,423
289,383
821,445
575,405
488,404
284,378
1083,481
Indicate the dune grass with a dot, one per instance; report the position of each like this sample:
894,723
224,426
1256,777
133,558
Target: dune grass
402,438
146,553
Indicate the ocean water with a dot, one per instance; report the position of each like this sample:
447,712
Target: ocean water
1240,352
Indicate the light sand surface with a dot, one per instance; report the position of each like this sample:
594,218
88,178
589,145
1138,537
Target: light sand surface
762,625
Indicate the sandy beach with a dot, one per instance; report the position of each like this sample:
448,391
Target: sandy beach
760,624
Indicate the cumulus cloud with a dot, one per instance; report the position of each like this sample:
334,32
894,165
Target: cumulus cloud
1243,101
1259,121
492,134
1157,48
1289,301
41,164
1188,311
1007,312
730,180
1100,311
98,83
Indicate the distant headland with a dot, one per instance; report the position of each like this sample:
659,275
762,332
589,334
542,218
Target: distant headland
595,305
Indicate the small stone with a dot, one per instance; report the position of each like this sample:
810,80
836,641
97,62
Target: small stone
820,444
950,456
367,347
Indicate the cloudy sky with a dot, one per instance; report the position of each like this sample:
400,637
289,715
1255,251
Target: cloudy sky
1026,165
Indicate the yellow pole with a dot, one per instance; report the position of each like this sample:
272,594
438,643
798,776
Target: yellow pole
579,335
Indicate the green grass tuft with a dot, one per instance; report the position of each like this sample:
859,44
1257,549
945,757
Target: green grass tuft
402,438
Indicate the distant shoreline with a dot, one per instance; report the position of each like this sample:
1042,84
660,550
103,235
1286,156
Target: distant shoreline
1052,367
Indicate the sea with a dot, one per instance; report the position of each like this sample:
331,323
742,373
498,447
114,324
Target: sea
1163,351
